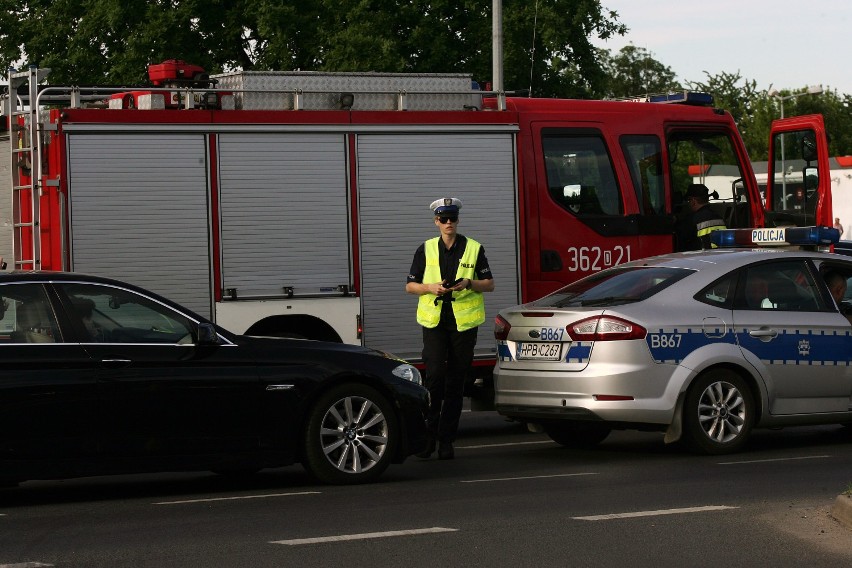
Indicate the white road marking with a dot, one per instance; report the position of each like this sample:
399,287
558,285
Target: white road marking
25,565
234,498
527,477
654,513
362,536
775,460
502,445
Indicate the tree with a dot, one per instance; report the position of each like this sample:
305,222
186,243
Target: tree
754,110
547,43
632,71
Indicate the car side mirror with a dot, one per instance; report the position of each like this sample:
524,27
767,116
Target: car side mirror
206,334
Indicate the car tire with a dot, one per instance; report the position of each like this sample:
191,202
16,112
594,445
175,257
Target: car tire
351,435
718,413
578,435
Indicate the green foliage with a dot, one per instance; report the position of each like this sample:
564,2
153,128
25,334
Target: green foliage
754,110
547,47
633,71
546,43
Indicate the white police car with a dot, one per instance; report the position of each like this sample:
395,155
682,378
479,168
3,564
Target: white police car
702,345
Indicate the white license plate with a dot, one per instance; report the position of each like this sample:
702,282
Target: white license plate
539,351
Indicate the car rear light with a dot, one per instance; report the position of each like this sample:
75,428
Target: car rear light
501,328
605,328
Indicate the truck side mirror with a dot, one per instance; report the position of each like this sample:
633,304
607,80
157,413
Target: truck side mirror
809,153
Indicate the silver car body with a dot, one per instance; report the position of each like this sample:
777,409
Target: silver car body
795,359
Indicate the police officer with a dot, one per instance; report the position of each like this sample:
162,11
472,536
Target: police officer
449,273
693,231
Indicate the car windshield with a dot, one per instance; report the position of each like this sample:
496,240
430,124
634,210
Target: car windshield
614,287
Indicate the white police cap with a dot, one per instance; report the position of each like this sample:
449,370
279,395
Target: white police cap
446,206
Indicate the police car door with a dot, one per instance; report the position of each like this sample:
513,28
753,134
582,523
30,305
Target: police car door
798,343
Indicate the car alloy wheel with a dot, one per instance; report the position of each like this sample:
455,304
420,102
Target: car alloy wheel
719,413
350,436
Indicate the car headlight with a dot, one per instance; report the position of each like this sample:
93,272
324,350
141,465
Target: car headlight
409,373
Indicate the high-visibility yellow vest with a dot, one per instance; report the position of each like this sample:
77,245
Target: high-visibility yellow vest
468,305
704,228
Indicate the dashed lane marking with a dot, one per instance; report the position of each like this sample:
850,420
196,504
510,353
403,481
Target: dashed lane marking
775,460
362,536
265,496
654,513
25,565
503,445
525,477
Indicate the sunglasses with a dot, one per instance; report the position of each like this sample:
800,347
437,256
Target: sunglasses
445,220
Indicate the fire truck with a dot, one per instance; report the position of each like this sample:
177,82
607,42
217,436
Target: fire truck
291,203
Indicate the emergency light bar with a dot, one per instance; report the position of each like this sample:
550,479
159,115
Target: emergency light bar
683,97
787,236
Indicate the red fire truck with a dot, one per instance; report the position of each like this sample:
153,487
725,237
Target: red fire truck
292,203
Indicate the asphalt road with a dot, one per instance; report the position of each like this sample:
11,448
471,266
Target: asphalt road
510,498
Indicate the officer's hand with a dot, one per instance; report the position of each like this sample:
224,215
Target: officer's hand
437,288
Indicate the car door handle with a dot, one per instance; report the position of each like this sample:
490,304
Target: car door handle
764,333
116,363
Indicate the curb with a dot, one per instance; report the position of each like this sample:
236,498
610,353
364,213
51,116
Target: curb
842,510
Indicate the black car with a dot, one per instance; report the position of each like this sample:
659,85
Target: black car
102,377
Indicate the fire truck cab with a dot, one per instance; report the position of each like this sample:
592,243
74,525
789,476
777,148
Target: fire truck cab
293,205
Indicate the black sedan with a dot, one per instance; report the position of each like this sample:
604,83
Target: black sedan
101,377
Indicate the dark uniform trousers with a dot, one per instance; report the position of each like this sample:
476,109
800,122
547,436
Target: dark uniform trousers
447,354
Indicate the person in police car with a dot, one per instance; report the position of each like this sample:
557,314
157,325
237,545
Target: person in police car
449,273
693,230
836,284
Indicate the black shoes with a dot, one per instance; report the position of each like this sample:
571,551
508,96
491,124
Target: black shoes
430,449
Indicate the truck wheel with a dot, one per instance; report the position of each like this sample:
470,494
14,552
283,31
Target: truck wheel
578,435
351,435
718,413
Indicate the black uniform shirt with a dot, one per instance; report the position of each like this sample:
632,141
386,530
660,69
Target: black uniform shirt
448,260
686,230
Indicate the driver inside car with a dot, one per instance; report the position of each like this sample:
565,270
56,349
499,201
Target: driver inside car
85,308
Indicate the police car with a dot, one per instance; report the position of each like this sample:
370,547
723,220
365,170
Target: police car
704,345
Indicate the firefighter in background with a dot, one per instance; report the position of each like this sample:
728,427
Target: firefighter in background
449,274
693,230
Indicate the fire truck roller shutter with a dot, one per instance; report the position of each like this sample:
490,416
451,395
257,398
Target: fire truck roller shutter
139,212
398,176
284,213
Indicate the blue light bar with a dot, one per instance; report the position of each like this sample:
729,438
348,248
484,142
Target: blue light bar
684,97
787,236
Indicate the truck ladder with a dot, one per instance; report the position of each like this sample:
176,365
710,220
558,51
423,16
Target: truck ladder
25,167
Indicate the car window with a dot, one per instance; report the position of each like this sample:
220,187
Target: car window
783,285
614,287
646,170
580,173
105,314
27,315
720,293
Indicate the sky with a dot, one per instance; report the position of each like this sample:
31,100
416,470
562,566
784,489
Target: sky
783,43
